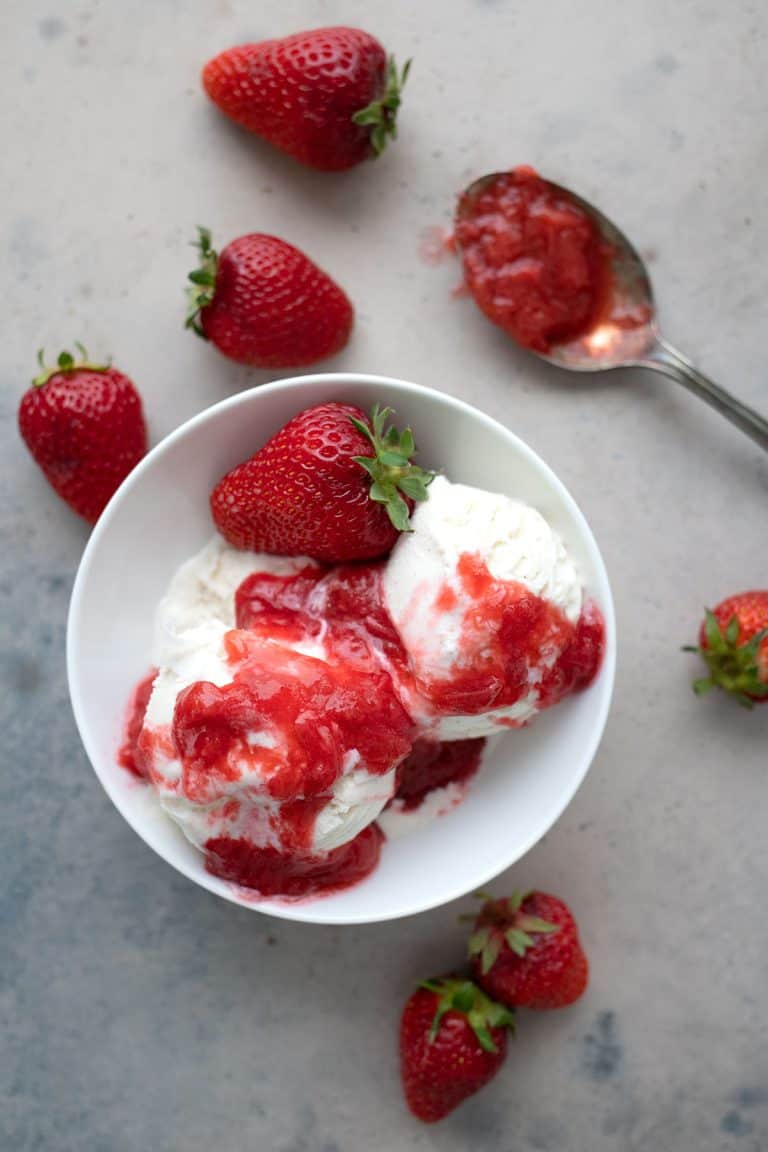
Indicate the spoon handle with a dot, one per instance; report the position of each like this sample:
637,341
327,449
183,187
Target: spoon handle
664,358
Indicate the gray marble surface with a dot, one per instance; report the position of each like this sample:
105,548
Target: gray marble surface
139,1012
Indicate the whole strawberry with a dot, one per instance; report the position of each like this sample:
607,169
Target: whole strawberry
331,484
733,640
328,97
526,951
453,1040
264,303
84,425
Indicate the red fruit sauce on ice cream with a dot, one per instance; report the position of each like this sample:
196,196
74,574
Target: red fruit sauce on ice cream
513,643
430,765
314,712
128,755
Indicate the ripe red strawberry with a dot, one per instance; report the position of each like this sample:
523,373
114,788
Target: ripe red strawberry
328,97
84,425
733,641
526,951
263,302
331,484
453,1040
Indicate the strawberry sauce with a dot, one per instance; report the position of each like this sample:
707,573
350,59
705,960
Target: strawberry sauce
128,755
321,685
513,644
308,716
430,765
275,873
533,259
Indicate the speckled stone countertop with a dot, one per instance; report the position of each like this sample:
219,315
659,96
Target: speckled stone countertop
139,1012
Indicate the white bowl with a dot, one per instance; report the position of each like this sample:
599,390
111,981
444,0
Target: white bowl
160,517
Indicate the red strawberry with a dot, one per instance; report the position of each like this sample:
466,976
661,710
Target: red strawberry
453,1040
733,640
84,425
328,97
331,484
263,302
526,951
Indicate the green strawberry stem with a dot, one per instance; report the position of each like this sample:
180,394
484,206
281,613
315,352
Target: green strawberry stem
381,114
65,362
202,288
393,476
732,666
506,922
457,995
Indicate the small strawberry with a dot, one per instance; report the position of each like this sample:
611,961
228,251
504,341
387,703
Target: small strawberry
264,303
331,484
526,951
84,425
733,640
328,97
453,1040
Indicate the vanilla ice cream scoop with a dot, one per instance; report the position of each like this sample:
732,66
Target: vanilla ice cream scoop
195,633
481,593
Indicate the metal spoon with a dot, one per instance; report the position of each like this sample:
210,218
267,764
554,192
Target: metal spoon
613,343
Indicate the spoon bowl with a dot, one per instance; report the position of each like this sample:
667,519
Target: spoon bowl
624,333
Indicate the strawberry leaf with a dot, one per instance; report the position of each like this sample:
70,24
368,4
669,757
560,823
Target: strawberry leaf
361,427
484,1037
407,446
367,463
478,941
393,476
732,666
441,1010
518,941
499,1016
732,630
414,487
202,282
397,510
536,924
67,363
393,459
382,492
464,997
381,115
712,632
516,899
490,953
752,647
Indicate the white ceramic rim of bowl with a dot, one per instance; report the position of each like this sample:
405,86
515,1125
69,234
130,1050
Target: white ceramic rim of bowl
286,910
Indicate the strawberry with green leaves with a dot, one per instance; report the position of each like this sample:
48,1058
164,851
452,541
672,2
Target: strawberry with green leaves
733,641
453,1040
332,484
84,425
328,97
264,303
525,951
